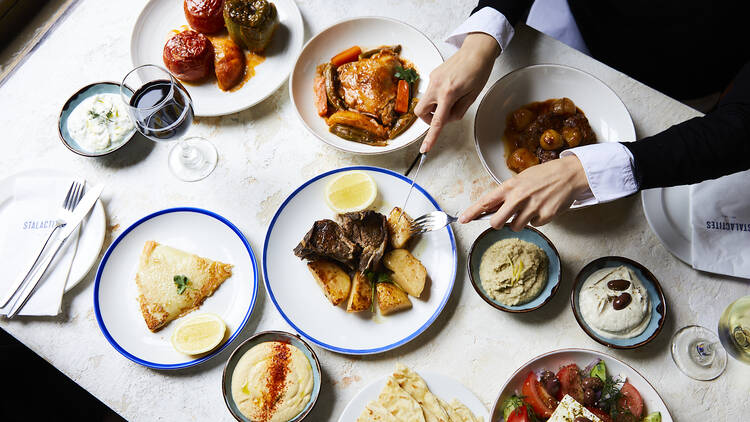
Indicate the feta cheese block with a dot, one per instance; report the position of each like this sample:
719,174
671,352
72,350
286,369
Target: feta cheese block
569,409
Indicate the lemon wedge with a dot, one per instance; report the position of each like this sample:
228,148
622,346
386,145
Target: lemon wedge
351,191
199,334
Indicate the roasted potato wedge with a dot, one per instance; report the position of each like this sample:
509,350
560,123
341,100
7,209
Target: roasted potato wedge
408,272
399,228
360,298
334,281
391,298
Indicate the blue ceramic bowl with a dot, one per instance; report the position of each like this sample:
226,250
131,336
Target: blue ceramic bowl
658,302
262,337
529,234
70,105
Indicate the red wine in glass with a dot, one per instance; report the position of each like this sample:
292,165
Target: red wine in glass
163,110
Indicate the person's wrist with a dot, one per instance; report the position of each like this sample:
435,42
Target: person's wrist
482,45
576,175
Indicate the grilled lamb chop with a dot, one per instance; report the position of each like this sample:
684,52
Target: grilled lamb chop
326,239
369,230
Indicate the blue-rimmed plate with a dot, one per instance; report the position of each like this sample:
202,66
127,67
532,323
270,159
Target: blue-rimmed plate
529,234
262,337
301,302
193,230
70,105
655,294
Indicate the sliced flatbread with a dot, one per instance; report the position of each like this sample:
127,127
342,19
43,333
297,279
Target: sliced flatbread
375,412
413,384
399,403
455,417
463,412
158,294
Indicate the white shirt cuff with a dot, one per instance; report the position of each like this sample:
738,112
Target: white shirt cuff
609,171
488,21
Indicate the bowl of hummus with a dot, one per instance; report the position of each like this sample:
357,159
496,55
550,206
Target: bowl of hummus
273,376
618,302
514,271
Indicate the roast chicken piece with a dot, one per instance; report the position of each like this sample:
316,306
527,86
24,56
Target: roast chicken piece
368,85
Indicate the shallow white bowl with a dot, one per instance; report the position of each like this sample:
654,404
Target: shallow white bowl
159,17
556,359
605,111
366,32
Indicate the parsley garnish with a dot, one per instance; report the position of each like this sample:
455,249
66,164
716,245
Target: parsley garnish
409,75
182,283
375,279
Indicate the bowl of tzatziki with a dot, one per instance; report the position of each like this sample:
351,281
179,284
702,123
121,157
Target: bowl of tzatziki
95,120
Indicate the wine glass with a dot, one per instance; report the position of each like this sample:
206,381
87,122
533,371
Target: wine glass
698,352
162,110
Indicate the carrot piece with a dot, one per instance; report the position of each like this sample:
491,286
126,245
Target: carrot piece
402,97
351,54
321,100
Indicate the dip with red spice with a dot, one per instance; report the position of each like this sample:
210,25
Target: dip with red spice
272,382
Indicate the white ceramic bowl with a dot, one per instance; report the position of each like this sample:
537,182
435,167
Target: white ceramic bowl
554,360
605,111
366,32
159,17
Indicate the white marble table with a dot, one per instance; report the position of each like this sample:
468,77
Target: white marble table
470,341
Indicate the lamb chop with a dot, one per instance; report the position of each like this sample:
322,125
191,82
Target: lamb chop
326,239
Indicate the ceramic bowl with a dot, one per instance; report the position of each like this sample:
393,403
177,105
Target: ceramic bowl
529,234
70,105
606,113
658,302
554,360
366,32
262,337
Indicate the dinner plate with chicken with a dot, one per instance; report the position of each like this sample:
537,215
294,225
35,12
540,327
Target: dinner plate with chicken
175,288
356,83
229,54
343,268
532,114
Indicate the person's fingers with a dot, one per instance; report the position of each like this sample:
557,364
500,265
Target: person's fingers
522,218
463,104
487,203
504,213
425,107
439,118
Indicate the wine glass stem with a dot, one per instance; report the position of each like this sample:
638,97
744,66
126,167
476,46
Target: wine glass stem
704,353
190,155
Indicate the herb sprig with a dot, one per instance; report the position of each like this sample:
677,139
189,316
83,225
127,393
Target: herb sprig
182,283
374,280
409,75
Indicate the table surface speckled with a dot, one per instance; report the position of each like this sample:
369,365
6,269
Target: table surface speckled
470,341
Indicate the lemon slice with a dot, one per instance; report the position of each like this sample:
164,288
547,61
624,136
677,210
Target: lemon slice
351,191
199,334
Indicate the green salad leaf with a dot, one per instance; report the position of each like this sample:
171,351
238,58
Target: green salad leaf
182,283
600,371
652,417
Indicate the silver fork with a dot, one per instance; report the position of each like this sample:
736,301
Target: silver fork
436,220
75,193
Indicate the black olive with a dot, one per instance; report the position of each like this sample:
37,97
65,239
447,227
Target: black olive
593,383
603,405
589,397
618,284
622,301
550,382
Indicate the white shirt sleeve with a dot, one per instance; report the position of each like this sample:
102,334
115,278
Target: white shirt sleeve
488,21
609,171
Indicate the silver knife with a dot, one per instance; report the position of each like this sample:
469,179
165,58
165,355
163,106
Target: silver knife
83,208
422,157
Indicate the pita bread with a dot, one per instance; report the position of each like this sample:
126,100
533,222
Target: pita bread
375,412
399,403
413,384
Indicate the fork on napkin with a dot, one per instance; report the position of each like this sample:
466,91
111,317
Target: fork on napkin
25,224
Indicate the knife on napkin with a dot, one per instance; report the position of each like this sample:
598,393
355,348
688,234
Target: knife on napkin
71,224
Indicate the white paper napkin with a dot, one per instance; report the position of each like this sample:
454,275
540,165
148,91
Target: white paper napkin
720,216
25,224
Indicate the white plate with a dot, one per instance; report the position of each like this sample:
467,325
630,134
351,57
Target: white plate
366,32
301,302
667,211
92,229
193,230
604,110
554,360
444,387
159,17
